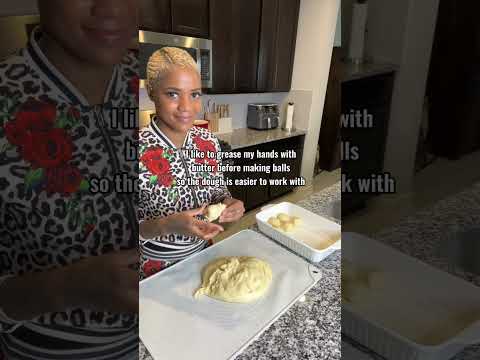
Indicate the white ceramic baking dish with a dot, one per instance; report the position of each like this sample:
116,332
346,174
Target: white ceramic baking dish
299,239
436,285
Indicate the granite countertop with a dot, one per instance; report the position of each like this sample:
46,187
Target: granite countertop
418,236
240,138
309,329
350,71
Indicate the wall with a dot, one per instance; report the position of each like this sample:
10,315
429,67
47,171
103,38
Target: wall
338,30
313,53
18,7
409,92
400,32
238,104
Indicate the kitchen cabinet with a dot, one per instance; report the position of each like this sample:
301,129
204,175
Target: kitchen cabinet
278,36
155,15
181,17
253,41
234,30
190,18
254,196
452,88
370,95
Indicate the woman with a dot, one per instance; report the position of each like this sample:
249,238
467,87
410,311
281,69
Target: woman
67,289
173,192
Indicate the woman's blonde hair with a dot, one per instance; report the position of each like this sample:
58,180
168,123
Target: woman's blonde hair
162,62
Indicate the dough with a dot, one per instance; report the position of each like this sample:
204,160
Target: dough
235,279
274,222
296,221
283,217
214,211
287,226
285,222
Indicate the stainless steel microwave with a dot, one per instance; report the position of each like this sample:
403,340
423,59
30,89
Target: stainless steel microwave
199,49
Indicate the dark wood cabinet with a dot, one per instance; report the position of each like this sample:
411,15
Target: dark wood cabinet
234,30
253,41
190,17
155,15
278,36
223,46
370,97
181,17
453,91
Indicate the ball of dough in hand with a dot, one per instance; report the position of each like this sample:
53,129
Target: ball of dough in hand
214,211
235,279
274,222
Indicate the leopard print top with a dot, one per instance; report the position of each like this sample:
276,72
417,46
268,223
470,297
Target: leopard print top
58,200
174,180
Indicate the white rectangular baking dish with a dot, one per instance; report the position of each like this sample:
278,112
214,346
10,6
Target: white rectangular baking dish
434,283
313,225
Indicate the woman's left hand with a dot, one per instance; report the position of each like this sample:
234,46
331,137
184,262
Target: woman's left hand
233,212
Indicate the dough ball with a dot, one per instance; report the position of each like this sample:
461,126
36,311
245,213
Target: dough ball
274,222
214,211
295,220
235,279
287,226
283,217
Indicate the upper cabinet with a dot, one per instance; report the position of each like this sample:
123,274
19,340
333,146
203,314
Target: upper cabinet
181,17
190,18
278,34
155,15
253,40
234,30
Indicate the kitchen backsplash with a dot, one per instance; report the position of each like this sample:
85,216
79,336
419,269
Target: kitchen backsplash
238,103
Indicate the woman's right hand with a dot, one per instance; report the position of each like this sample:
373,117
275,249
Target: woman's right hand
186,223
103,283
106,283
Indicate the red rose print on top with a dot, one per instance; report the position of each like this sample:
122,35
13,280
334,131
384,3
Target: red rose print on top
41,138
157,161
48,149
206,146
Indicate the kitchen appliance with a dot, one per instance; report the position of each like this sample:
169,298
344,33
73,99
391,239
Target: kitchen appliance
168,308
263,116
199,49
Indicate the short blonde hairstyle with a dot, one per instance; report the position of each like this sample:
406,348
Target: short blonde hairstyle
162,62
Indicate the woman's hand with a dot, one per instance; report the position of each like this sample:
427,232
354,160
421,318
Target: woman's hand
185,223
107,282
102,283
233,212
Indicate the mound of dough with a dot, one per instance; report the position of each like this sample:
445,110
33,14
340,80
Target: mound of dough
235,279
214,211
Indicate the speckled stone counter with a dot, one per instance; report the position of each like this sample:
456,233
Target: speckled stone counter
241,138
308,330
419,236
